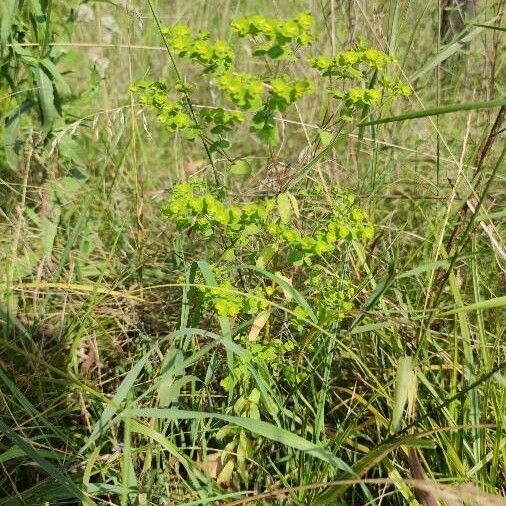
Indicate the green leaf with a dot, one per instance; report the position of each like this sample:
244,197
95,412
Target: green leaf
446,53
220,145
284,207
39,17
190,466
240,168
266,255
404,369
49,229
121,394
264,125
269,134
172,366
278,51
9,135
59,476
285,286
295,204
364,464
258,427
492,27
210,280
46,97
70,149
7,12
169,392
14,452
325,137
478,306
226,473
59,81
437,111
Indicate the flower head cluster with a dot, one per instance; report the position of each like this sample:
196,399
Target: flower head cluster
245,90
217,56
277,34
273,354
171,113
263,219
189,206
286,91
351,64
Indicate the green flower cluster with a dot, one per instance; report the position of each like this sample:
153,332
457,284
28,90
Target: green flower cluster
333,300
171,113
245,90
226,301
218,56
286,91
361,97
351,64
273,355
396,87
264,219
224,121
206,213
264,96
357,64
278,34
305,247
356,98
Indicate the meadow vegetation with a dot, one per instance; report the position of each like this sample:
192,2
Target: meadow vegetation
252,252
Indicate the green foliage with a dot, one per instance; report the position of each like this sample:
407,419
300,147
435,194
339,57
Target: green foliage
270,232
242,89
171,113
262,94
357,65
33,88
217,57
251,340
276,36
269,221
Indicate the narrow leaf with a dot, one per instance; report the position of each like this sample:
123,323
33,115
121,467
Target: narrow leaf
401,391
478,306
7,12
446,53
325,137
284,208
46,96
121,394
47,466
437,111
258,427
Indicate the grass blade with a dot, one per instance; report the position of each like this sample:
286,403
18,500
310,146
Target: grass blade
478,306
437,111
404,370
258,427
447,52
49,468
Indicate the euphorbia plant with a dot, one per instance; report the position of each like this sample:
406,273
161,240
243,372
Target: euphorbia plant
276,233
